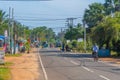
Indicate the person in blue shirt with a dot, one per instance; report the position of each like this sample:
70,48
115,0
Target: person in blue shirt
95,49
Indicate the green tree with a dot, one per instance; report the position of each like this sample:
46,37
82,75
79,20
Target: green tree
3,22
107,31
94,14
109,7
117,5
73,33
44,33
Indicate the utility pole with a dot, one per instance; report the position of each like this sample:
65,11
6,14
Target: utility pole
84,36
9,30
14,38
12,42
70,22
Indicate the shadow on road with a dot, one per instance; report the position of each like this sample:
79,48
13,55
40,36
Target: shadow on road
76,55
117,69
64,54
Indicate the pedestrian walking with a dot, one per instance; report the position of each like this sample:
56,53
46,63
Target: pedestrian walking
66,48
63,47
95,52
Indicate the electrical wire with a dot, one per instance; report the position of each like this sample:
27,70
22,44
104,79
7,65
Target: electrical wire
40,19
36,19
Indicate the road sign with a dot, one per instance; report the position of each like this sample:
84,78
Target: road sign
5,33
2,54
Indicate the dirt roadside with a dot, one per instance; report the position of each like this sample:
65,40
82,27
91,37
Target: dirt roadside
111,60
25,67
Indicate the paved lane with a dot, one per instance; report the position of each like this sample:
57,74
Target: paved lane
66,66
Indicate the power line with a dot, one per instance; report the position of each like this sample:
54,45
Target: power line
36,19
38,14
40,19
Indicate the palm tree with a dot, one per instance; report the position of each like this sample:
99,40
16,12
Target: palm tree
3,21
2,16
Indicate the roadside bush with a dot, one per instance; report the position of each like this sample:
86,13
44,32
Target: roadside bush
80,46
70,45
74,44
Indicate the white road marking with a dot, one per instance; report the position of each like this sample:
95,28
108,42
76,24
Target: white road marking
104,77
43,68
74,62
87,69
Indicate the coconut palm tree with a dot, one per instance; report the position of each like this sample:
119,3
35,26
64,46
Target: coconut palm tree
3,21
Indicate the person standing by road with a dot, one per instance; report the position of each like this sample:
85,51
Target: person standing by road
95,52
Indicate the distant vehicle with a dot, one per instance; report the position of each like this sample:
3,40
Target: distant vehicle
58,44
44,44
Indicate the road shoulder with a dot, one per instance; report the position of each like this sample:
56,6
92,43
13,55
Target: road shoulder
25,67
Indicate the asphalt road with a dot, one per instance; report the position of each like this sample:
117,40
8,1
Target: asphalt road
70,66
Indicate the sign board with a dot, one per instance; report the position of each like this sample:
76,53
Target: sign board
2,54
5,33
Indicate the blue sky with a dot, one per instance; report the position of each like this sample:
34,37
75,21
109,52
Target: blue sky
44,10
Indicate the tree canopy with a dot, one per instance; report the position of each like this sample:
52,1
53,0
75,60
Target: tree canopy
73,33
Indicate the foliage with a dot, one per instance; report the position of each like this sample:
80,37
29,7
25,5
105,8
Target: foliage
103,21
74,44
27,46
44,34
73,33
94,14
109,7
3,22
112,5
80,46
107,31
89,43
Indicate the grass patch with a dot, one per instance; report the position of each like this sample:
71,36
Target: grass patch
5,73
8,63
114,54
13,55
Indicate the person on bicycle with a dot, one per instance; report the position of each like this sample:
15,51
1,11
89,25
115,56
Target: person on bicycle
95,52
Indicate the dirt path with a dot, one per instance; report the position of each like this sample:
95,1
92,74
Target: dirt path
25,67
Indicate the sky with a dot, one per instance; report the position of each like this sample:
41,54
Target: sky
46,12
